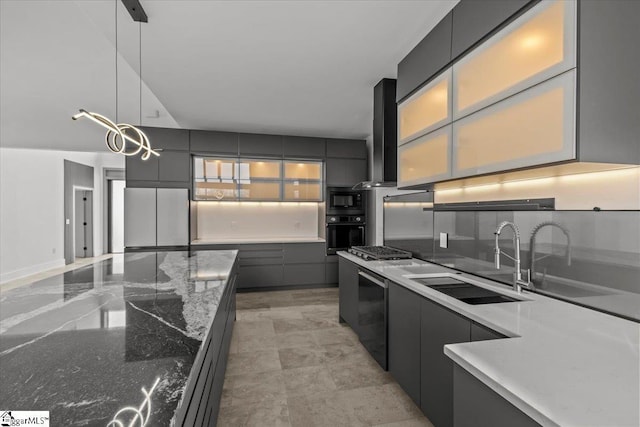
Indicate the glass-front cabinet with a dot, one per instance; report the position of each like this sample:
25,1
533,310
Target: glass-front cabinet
218,178
535,47
425,159
508,104
534,127
215,178
303,180
427,110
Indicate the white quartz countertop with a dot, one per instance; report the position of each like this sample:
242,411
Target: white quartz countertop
564,365
237,241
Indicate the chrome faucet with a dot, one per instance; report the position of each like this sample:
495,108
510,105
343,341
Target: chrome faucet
518,283
532,245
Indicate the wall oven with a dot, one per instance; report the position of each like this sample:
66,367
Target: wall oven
345,201
372,315
344,231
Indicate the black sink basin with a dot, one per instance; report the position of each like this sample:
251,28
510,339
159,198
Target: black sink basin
463,291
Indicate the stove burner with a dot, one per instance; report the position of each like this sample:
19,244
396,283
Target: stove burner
378,252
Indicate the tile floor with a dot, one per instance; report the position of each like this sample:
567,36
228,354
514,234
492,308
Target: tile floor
292,364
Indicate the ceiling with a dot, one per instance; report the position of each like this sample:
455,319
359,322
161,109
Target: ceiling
288,67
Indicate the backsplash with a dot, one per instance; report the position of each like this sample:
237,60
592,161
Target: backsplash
600,270
255,220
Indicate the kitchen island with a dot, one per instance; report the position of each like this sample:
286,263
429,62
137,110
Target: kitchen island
93,341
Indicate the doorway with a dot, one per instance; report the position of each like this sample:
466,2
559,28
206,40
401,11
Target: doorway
83,223
115,239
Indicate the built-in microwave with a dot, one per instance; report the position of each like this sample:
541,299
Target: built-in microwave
345,201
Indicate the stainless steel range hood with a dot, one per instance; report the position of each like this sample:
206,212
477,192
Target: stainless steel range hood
384,137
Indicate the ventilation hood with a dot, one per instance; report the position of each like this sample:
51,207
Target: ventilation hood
385,146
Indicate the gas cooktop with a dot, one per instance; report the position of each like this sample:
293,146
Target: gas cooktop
378,252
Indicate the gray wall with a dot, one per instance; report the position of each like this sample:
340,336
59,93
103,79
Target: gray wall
75,174
604,268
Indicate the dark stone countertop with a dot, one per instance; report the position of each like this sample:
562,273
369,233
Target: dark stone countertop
83,344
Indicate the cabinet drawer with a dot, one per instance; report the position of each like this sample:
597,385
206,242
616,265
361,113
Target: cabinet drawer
427,159
260,276
304,274
532,128
428,109
538,45
295,253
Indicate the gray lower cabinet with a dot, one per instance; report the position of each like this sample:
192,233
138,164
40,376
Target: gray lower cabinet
439,327
303,274
345,171
331,269
348,293
476,405
404,339
480,333
295,253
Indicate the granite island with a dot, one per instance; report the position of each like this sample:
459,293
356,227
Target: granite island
87,343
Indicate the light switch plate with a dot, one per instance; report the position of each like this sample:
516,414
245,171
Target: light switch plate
444,240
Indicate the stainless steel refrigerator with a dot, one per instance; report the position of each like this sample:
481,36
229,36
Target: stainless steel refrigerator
156,217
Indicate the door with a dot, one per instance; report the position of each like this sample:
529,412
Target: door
116,216
372,315
83,223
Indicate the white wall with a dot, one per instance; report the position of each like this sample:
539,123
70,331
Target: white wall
32,207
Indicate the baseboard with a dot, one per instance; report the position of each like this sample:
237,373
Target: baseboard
33,269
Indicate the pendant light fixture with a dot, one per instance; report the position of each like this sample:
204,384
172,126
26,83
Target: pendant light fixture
120,134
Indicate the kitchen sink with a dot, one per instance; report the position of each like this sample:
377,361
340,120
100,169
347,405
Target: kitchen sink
464,291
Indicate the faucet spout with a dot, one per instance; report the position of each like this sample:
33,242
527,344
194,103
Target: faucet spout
532,244
518,283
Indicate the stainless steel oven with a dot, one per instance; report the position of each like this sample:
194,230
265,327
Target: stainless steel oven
344,231
372,315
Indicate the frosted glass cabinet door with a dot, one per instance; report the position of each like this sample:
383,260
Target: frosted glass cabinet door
426,110
426,159
534,127
535,47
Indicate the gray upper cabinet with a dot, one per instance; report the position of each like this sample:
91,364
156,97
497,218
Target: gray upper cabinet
251,144
137,169
347,148
174,166
303,147
345,172
431,55
214,142
167,138
608,86
473,20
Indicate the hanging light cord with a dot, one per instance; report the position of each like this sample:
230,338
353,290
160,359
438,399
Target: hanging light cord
117,137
